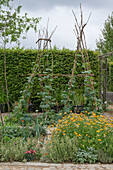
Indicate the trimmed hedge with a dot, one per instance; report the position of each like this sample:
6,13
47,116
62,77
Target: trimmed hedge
20,63
110,76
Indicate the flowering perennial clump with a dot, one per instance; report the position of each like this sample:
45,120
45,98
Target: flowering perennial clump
94,130
90,137
30,155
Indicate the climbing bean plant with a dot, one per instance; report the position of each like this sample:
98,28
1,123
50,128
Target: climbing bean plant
20,66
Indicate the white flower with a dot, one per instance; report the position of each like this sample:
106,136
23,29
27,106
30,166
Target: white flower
105,102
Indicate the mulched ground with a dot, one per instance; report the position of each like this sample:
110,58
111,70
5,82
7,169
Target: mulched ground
108,113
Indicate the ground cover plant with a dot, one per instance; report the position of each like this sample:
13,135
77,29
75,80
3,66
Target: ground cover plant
92,136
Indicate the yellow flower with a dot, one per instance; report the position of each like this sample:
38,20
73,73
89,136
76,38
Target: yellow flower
60,121
60,113
98,131
63,133
99,139
72,118
79,135
75,133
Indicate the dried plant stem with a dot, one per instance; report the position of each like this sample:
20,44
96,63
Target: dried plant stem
1,118
81,43
79,33
5,72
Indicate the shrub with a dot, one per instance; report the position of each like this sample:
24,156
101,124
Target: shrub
63,150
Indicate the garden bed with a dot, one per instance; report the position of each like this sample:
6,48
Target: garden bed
76,138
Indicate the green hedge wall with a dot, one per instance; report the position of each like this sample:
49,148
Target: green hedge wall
110,76
20,62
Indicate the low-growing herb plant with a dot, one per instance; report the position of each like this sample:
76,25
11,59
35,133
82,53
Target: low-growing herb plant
15,148
105,157
86,156
60,150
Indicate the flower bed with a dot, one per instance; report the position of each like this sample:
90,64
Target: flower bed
76,138
89,138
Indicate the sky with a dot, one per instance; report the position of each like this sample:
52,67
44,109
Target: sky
60,13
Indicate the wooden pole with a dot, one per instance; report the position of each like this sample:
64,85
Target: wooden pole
61,75
1,117
101,65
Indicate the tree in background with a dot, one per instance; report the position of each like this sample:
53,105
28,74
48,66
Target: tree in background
12,26
105,42
105,45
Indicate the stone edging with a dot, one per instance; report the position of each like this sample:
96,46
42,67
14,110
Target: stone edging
51,166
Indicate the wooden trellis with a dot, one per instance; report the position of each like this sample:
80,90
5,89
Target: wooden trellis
103,76
44,42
